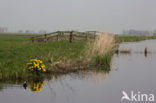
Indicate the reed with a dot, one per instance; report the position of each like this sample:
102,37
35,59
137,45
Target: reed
101,50
96,55
102,45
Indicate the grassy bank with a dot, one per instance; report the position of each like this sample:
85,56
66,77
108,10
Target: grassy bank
59,57
15,53
133,38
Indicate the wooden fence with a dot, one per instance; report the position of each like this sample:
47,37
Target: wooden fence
65,35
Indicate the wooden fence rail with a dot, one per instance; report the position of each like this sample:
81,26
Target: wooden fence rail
65,35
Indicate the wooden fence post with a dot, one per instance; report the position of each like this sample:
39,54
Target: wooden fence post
71,37
45,39
63,37
58,33
32,39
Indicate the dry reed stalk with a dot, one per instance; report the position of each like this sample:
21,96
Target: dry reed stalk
103,44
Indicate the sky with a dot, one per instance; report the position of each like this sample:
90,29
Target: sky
81,15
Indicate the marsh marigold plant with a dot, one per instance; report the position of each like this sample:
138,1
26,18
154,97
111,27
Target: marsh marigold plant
36,65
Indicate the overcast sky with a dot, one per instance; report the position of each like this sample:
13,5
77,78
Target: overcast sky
82,15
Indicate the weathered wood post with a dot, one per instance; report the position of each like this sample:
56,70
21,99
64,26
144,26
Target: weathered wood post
71,37
61,35
58,33
45,37
32,39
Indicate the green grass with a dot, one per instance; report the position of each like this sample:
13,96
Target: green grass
133,38
104,61
15,53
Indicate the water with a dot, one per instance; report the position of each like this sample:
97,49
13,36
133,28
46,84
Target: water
130,72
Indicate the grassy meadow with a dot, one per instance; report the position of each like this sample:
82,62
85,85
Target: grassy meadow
58,56
15,52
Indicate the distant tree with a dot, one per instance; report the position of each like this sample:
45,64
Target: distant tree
20,31
29,31
137,32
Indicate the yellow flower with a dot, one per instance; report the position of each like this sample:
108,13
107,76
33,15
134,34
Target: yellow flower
40,61
39,68
44,70
36,65
43,66
44,81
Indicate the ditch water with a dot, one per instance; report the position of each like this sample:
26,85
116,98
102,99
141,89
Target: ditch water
132,71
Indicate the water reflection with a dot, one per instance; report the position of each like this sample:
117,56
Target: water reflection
36,86
134,71
146,48
25,85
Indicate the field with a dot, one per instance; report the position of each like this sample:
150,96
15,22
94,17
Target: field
16,52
